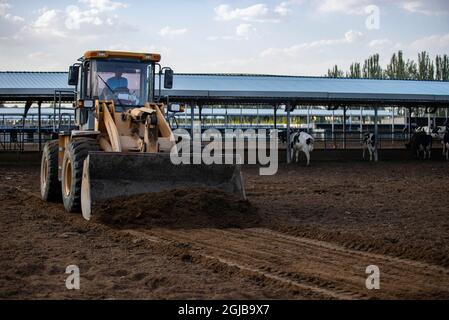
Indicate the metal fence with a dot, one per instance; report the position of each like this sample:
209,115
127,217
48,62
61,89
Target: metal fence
20,139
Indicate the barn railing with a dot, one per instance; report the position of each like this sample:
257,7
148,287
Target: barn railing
19,139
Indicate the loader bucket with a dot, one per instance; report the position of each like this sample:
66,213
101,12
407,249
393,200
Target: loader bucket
108,175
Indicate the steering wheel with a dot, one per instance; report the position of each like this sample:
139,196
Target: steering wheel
107,94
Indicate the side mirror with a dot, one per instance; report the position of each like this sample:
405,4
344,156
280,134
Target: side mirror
73,75
168,79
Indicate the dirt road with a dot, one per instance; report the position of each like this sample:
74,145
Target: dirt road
312,235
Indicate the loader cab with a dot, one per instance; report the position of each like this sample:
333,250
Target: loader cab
124,77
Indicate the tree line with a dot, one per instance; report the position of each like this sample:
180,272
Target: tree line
400,69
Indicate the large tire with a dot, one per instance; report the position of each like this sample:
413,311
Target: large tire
50,185
72,171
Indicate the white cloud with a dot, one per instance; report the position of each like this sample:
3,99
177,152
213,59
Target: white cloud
352,36
47,18
76,17
349,38
168,31
257,12
46,24
429,7
104,5
356,7
437,43
85,23
4,8
284,8
380,43
244,30
39,55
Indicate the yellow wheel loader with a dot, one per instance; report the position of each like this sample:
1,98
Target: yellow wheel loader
122,142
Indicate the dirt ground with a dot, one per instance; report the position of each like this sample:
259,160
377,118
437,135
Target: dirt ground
306,233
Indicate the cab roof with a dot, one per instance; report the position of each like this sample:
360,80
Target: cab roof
101,54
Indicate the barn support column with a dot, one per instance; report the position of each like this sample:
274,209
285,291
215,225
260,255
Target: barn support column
435,118
39,124
289,156
226,117
344,127
376,123
257,117
409,123
350,119
200,116
361,123
445,110
308,119
333,126
275,109
192,117
429,121
54,112
28,105
392,123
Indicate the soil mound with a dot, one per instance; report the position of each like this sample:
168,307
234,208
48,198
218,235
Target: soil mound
181,208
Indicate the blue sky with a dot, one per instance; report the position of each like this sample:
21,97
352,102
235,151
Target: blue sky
299,37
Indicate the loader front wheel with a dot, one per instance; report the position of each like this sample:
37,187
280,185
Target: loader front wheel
72,171
50,185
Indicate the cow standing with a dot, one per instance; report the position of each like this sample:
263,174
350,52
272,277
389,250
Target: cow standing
369,143
421,142
442,133
301,141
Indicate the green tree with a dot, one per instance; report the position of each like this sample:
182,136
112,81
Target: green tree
354,71
411,69
399,69
396,68
371,68
426,69
442,68
335,72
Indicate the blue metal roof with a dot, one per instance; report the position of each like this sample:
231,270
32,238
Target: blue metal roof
234,88
33,80
307,89
22,85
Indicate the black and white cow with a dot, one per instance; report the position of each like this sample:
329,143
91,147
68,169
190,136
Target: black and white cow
301,141
440,133
421,142
369,143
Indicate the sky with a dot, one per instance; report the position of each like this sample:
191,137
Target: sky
291,37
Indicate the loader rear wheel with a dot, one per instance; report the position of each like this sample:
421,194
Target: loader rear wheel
50,185
72,171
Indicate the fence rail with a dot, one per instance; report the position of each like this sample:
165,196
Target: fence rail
27,139
17,139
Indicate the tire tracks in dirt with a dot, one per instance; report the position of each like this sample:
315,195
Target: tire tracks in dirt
320,267
317,269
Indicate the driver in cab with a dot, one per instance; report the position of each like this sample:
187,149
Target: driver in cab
117,86
117,81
